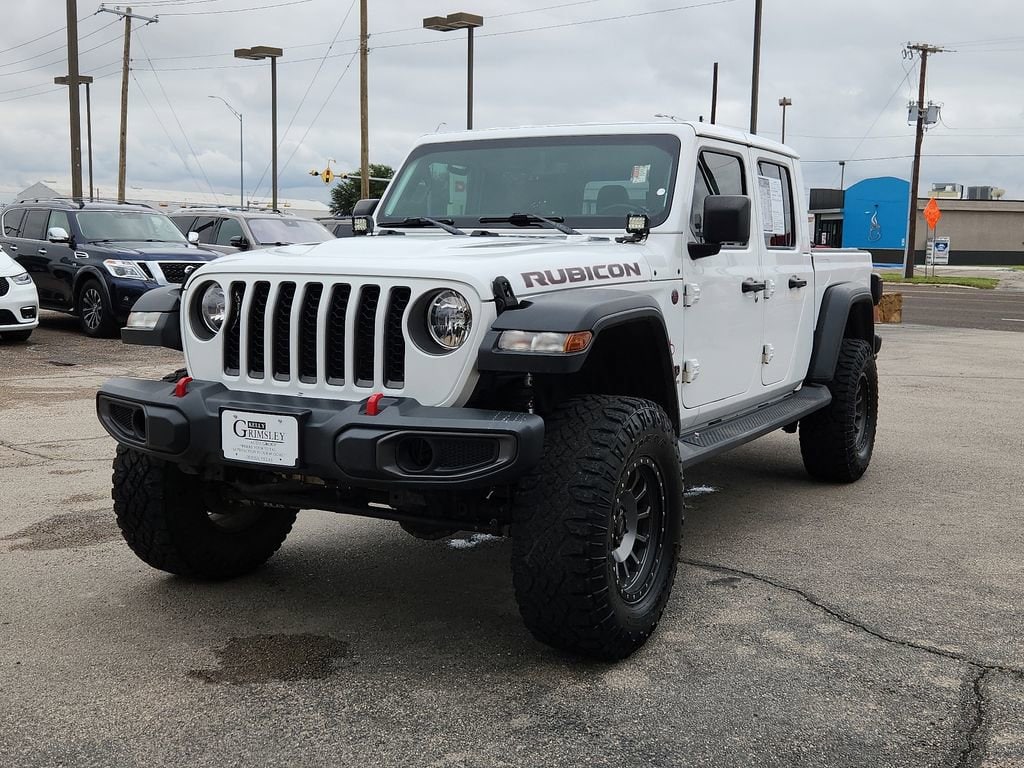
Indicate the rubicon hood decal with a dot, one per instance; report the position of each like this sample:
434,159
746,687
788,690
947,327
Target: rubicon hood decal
581,274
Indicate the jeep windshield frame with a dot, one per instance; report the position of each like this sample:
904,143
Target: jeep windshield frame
559,177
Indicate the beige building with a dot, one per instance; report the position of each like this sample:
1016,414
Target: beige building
979,231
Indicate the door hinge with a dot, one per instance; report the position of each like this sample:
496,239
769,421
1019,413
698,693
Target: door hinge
691,294
691,370
767,353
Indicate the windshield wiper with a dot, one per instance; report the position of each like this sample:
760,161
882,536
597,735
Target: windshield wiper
526,219
424,221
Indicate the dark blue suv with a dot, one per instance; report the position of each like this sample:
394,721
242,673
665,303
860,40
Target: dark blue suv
95,259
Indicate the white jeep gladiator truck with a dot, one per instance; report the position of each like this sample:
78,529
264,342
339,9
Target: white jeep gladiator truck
540,330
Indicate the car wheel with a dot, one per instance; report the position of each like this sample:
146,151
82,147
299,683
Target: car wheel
94,314
837,442
597,526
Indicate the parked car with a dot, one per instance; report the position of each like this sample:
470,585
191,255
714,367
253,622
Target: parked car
633,300
229,230
19,302
94,260
340,226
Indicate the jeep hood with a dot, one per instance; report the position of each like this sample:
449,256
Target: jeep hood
532,264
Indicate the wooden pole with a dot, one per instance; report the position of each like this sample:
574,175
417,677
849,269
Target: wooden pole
122,161
73,102
364,109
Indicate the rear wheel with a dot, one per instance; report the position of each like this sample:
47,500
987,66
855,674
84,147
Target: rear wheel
836,442
171,524
597,527
94,313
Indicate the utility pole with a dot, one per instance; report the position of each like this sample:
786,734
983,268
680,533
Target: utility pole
923,50
364,109
714,93
122,160
73,103
784,102
85,80
755,71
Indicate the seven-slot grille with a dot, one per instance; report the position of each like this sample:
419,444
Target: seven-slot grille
178,271
330,333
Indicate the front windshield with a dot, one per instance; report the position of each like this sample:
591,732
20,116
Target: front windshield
287,231
591,181
128,226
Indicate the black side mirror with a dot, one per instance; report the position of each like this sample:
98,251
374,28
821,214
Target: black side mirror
726,220
365,207
239,241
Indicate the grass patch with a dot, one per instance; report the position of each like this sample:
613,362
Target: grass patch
969,282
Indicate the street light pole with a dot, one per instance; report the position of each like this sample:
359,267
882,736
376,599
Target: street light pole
85,80
784,102
842,173
449,23
241,151
755,69
258,53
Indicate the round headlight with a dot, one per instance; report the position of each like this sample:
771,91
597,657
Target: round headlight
213,307
449,319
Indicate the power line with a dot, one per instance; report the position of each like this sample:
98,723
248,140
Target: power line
166,133
174,114
61,60
58,48
302,101
907,157
237,10
42,37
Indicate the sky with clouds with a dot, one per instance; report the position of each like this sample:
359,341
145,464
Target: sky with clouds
537,62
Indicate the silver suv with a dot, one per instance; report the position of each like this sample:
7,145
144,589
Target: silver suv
229,230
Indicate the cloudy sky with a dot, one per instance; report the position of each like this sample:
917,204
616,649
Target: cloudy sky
537,61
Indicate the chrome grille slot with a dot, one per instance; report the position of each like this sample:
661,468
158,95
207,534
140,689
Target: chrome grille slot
365,335
308,333
336,334
394,338
233,330
257,323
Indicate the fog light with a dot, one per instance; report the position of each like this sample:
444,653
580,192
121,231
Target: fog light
145,321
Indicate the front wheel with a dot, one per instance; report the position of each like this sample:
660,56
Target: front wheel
596,530
169,522
94,312
836,442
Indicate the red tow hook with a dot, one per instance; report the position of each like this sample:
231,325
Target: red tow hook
373,404
181,388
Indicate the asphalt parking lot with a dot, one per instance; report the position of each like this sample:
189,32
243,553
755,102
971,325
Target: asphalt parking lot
877,624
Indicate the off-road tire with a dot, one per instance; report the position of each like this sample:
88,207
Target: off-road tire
566,523
92,299
16,336
836,442
164,519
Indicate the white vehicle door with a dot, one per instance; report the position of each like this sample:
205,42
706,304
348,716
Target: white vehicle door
788,275
722,322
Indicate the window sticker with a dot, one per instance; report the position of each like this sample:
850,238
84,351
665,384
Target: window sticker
773,212
640,174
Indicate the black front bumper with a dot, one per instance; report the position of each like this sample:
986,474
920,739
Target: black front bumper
406,445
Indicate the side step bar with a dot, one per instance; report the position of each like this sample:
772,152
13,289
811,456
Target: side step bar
703,443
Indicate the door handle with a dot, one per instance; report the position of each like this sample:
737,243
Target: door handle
13,247
796,282
750,285
42,251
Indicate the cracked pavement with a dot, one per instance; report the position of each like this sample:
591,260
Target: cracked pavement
876,624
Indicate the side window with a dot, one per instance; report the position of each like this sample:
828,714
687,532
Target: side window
776,214
228,228
205,226
183,223
12,222
717,174
58,219
34,225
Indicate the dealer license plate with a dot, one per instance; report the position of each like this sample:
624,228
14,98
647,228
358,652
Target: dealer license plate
260,438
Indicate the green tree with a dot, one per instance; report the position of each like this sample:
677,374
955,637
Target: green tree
345,193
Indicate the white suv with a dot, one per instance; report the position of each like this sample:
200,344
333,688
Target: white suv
19,302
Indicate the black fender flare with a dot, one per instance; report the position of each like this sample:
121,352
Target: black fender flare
89,273
840,304
594,310
164,301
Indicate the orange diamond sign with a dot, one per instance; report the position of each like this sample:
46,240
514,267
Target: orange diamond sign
932,214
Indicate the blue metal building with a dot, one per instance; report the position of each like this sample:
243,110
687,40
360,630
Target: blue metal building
875,215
